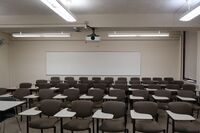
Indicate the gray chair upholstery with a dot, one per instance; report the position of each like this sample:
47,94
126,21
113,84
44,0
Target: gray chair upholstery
63,86
118,123
46,94
72,83
184,126
21,93
146,78
190,87
69,78
72,95
121,82
154,86
83,109
168,79
49,108
102,86
55,81
157,79
122,79
163,104
97,96
134,82
40,81
121,86
25,85
141,93
44,85
83,88
147,126
137,86
3,91
119,93
135,79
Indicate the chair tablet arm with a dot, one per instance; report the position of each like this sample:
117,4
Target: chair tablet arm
101,115
180,117
140,116
31,112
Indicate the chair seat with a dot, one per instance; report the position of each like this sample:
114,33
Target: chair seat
77,125
97,104
196,107
43,123
187,126
148,126
113,126
163,106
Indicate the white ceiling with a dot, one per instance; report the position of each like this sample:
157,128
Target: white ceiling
33,15
35,7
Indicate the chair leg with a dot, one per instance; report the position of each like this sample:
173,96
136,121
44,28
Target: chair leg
89,130
54,129
20,129
163,131
3,127
72,132
41,130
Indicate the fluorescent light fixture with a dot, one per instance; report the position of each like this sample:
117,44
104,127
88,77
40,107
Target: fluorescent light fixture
190,15
138,35
57,8
41,34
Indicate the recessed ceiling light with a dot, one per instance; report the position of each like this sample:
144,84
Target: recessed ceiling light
138,34
41,34
61,11
190,15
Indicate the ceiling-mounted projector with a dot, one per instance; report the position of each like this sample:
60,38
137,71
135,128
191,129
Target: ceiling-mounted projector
93,37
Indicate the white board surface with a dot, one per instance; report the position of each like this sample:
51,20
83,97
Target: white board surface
93,63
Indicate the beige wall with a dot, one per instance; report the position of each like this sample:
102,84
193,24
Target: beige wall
4,70
28,58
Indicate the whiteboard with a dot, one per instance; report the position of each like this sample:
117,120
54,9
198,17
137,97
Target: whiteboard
93,63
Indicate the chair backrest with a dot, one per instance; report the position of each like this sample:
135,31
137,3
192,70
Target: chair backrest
63,86
119,93
116,108
3,91
178,82
46,94
41,81
137,86
181,107
146,78
186,93
72,83
147,82
134,82
157,79
173,86
96,78
69,78
110,79
25,85
120,86
72,94
50,107
83,88
168,79
122,79
83,78
135,79
141,93
121,82
163,93
55,78
146,107
44,85
191,87
97,94
21,93
83,108
101,86
154,86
